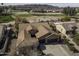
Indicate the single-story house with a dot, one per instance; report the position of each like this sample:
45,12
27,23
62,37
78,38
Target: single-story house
65,27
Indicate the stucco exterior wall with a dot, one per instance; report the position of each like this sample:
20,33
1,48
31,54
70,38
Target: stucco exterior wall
60,28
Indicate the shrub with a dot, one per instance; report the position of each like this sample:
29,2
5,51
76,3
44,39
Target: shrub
66,18
71,46
76,39
4,19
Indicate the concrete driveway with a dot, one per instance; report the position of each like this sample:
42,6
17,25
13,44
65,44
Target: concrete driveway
56,50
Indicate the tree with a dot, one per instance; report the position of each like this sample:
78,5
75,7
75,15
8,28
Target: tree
74,29
10,9
53,27
69,11
66,18
76,38
43,11
28,10
1,10
4,9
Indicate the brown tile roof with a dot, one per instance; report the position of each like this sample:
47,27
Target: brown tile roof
24,39
22,26
29,27
21,38
42,31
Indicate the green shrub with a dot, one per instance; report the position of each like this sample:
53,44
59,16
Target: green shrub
70,46
66,18
76,39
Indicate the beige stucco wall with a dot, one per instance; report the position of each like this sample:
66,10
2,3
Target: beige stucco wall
60,28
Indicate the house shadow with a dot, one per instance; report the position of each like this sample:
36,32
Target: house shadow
41,46
50,42
54,42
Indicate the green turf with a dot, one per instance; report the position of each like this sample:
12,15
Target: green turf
4,19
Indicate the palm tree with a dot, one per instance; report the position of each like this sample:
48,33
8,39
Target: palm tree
1,9
5,8
69,11
10,8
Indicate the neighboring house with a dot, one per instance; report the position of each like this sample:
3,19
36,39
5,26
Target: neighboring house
65,27
38,8
69,27
5,38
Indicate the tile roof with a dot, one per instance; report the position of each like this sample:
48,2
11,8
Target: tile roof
24,39
42,31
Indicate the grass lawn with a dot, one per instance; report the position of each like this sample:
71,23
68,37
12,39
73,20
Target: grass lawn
48,14
24,15
40,14
5,19
66,18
